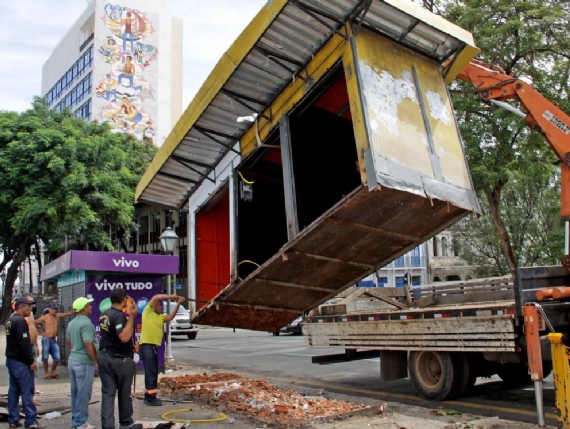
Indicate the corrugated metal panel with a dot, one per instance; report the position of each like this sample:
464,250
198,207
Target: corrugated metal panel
268,55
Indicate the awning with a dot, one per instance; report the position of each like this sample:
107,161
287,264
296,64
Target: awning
266,57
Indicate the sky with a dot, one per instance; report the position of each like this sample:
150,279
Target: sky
30,29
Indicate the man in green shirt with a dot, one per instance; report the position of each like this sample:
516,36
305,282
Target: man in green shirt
82,342
152,332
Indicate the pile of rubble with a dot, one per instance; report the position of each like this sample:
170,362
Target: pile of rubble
257,399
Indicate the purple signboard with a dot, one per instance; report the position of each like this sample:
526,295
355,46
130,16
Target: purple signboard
139,287
110,261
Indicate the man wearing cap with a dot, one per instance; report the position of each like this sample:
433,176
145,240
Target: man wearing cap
49,338
153,319
21,364
82,342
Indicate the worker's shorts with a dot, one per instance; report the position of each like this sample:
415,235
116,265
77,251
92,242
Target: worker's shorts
50,347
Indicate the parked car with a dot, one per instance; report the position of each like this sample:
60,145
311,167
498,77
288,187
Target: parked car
181,324
295,327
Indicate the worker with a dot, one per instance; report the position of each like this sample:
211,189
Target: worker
153,320
21,364
115,360
83,344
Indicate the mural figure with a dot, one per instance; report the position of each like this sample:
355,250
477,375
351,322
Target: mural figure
128,32
106,88
127,115
128,72
113,11
148,131
124,86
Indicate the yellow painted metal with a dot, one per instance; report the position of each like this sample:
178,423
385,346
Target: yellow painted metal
329,55
219,75
323,60
358,121
393,110
460,61
462,58
561,372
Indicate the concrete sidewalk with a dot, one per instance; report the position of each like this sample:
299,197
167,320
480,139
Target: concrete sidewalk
55,396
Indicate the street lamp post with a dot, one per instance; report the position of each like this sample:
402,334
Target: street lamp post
169,239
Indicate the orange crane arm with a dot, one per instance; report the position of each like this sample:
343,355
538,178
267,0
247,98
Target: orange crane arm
492,83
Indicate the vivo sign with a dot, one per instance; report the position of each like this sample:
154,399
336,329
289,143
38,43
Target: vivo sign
126,262
111,262
105,285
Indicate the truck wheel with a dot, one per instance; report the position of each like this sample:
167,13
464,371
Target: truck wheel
192,335
432,374
514,374
464,376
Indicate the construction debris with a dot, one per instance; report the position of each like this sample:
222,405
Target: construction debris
259,400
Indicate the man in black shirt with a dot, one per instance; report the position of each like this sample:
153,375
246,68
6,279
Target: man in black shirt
115,361
21,363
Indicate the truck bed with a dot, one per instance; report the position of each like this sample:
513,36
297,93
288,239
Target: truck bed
461,316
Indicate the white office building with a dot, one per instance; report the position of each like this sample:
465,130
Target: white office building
120,63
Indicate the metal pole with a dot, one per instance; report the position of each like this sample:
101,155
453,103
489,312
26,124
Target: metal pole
532,331
168,356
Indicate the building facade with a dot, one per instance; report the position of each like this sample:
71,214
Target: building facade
120,63
433,261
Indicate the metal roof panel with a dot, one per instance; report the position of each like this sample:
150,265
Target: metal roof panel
267,57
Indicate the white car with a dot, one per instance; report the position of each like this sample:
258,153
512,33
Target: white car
181,324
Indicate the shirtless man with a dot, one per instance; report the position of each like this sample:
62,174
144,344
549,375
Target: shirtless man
31,325
49,338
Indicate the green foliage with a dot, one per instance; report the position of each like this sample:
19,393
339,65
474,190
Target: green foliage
530,40
61,176
530,210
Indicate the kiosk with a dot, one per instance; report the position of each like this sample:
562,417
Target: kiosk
96,274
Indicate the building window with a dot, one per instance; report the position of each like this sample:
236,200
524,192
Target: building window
415,259
382,281
399,262
444,247
71,76
435,252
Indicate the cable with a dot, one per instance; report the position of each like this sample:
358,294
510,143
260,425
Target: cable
249,182
182,410
249,262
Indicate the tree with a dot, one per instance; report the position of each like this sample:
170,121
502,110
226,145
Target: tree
529,209
529,39
61,176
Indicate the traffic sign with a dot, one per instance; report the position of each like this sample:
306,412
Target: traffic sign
177,286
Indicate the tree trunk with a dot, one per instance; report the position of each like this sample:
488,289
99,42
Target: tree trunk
11,276
39,260
494,199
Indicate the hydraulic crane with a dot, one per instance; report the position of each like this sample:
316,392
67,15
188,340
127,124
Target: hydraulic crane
495,86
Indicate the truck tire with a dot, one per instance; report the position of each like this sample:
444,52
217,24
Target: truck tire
464,376
432,374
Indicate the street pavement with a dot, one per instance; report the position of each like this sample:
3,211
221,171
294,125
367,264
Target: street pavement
54,396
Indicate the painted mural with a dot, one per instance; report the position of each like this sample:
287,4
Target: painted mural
131,55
